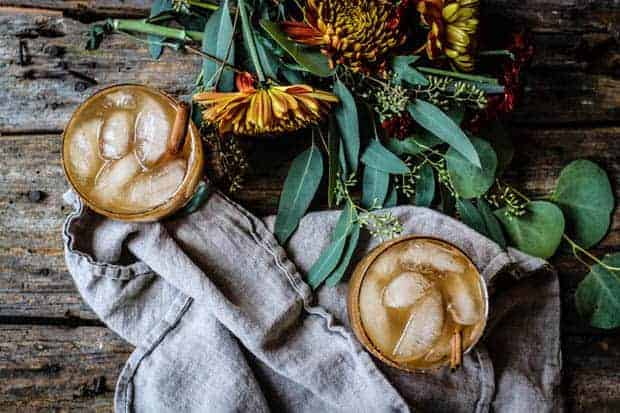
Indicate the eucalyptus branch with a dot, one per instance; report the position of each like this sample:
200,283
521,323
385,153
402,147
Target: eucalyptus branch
250,41
578,249
458,75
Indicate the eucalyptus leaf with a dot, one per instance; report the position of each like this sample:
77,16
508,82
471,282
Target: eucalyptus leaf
598,295
425,186
585,196
494,228
392,197
431,118
158,7
501,143
340,270
217,39
470,215
413,145
447,201
348,122
330,257
468,180
299,188
268,60
401,65
375,184
333,144
538,232
200,196
378,157
312,60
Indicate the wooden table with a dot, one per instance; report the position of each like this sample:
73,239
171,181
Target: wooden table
56,355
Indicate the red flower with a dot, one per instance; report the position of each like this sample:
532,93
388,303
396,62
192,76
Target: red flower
398,126
511,80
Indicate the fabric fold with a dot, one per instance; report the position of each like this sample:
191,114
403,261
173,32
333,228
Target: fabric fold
221,317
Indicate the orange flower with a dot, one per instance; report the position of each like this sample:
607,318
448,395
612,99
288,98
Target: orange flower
356,33
453,26
264,111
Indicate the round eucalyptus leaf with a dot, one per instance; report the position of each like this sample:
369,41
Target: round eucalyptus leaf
598,295
470,181
584,194
538,232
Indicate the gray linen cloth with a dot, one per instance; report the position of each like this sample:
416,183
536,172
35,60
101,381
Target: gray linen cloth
222,320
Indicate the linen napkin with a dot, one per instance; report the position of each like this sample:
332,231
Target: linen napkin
222,320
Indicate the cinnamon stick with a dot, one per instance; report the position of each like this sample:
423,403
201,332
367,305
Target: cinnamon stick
179,129
456,349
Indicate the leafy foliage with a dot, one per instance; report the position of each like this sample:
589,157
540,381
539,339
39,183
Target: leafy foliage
310,60
470,181
299,188
538,232
348,123
584,193
598,295
437,122
425,186
219,27
158,7
378,157
375,187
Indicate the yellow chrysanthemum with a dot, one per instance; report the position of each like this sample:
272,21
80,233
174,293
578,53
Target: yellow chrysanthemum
355,33
266,111
453,29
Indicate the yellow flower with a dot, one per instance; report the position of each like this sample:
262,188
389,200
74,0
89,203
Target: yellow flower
264,111
355,33
453,29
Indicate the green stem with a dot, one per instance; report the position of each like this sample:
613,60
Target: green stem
457,75
249,39
502,52
141,26
579,249
203,5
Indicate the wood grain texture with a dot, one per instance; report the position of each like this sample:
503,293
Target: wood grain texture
574,77
46,368
53,73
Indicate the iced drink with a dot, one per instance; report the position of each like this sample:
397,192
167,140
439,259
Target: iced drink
117,152
421,303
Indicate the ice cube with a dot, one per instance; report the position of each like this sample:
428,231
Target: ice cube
374,315
84,158
113,178
152,131
385,264
405,289
121,100
423,328
155,187
433,255
116,134
464,305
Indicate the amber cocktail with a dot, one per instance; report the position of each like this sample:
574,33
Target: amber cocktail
119,154
418,303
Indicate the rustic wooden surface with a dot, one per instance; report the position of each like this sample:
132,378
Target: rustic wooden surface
56,356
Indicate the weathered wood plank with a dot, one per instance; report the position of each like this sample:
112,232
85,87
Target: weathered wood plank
45,368
33,279
592,373
573,78
47,73
88,9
